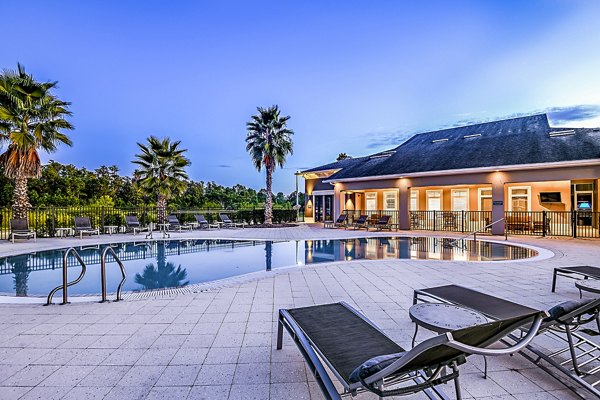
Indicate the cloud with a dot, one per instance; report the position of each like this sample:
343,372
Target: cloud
582,112
224,166
387,139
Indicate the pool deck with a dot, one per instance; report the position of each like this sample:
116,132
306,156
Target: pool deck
219,343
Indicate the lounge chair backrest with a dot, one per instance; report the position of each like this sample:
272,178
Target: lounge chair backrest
132,220
444,349
19,224
225,218
201,220
172,219
383,220
341,218
83,223
362,219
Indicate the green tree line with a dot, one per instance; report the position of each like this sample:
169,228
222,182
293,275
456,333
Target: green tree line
68,185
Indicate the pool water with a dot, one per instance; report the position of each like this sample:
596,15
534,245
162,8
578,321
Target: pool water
174,263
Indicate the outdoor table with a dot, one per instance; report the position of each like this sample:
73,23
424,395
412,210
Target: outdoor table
64,232
588,285
110,229
164,228
441,318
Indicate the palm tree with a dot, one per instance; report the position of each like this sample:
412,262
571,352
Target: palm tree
269,141
162,171
32,118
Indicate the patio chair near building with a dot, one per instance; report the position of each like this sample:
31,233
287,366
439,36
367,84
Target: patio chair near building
203,223
228,223
362,358
383,222
19,228
339,222
360,222
83,226
563,325
132,224
174,224
575,272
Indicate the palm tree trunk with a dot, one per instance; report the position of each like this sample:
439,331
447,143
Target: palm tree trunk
20,200
269,199
161,208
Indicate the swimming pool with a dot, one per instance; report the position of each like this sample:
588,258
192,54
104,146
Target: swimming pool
174,263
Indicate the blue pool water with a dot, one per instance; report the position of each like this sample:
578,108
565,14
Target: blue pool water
172,263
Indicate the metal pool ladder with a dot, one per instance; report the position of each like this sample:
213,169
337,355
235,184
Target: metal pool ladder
66,284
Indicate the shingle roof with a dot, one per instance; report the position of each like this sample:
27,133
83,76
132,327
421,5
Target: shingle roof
523,140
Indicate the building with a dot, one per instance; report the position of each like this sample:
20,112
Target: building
520,173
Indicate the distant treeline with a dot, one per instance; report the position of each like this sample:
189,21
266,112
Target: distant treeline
68,185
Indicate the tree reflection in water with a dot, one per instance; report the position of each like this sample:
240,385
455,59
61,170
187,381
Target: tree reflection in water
20,270
165,274
269,254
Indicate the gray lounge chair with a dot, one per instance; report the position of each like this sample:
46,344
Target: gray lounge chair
361,222
19,228
175,225
228,223
133,225
340,221
203,223
382,223
578,272
83,226
564,325
362,357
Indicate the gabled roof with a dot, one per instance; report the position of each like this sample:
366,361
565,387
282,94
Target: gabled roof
516,141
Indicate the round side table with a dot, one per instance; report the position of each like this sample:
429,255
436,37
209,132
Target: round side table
441,318
588,285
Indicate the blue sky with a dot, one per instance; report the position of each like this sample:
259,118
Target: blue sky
356,76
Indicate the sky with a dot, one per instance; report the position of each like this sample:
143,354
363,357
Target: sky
355,76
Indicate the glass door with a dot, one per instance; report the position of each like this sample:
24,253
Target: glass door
329,208
318,208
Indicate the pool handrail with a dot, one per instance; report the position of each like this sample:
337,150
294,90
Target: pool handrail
103,273
66,284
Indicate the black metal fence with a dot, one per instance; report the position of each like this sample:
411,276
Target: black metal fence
577,224
48,221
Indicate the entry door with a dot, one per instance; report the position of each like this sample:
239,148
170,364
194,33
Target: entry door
318,208
328,208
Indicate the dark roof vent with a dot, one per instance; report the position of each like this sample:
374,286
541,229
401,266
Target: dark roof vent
439,140
472,136
567,132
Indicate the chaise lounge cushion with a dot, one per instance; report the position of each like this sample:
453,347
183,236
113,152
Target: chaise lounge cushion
565,308
374,365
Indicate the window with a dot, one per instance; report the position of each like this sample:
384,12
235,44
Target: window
371,201
434,200
485,199
389,201
414,200
519,198
460,199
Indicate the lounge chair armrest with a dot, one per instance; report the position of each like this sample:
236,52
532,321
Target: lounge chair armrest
520,345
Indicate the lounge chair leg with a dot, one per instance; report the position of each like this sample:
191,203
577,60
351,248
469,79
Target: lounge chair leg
280,334
572,350
554,281
456,383
415,335
485,367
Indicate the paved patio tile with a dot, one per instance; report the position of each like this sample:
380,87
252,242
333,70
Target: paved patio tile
168,393
46,393
209,392
105,375
13,392
30,376
87,393
69,375
252,373
289,391
222,355
215,375
249,392
128,392
143,375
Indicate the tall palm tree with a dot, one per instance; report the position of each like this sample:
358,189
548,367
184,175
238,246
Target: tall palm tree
269,141
32,118
162,171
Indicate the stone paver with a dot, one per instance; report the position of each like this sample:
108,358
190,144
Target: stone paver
219,343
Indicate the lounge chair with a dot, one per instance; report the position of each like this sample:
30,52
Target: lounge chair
84,226
228,223
133,224
578,272
340,221
362,357
361,222
382,223
175,225
563,325
203,223
19,227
